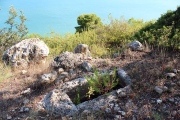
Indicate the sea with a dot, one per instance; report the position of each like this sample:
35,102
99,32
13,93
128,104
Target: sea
60,16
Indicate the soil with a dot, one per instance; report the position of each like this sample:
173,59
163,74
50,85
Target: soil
146,69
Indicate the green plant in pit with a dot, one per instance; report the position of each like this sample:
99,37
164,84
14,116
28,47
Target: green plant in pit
77,98
101,82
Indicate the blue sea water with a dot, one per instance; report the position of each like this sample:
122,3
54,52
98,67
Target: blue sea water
60,16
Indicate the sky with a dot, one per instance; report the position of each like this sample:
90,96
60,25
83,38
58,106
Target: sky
60,16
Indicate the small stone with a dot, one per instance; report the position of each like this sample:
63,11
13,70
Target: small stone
173,84
165,89
27,91
26,101
170,75
21,110
60,70
175,71
171,99
174,113
65,74
9,117
116,108
118,117
122,113
158,89
159,101
23,72
26,109
87,66
108,110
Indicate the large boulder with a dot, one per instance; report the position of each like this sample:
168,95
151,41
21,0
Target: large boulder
25,51
83,49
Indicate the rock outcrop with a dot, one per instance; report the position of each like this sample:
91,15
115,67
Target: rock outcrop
20,54
69,60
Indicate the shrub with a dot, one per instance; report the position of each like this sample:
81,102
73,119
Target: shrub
15,32
164,32
101,82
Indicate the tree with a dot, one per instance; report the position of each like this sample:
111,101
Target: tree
15,32
87,22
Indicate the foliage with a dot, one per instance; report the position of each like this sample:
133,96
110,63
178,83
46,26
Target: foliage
119,32
101,82
15,32
61,43
164,32
87,22
77,98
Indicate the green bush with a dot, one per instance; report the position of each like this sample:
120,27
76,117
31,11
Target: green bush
101,82
164,32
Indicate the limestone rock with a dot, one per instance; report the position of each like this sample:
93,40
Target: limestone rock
20,54
136,45
87,66
58,103
122,92
66,60
48,78
83,49
67,86
124,77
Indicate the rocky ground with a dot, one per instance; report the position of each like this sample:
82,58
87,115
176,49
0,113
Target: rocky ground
155,89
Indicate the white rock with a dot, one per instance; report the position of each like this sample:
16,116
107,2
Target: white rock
23,72
171,75
159,101
26,109
8,117
60,70
122,113
27,91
